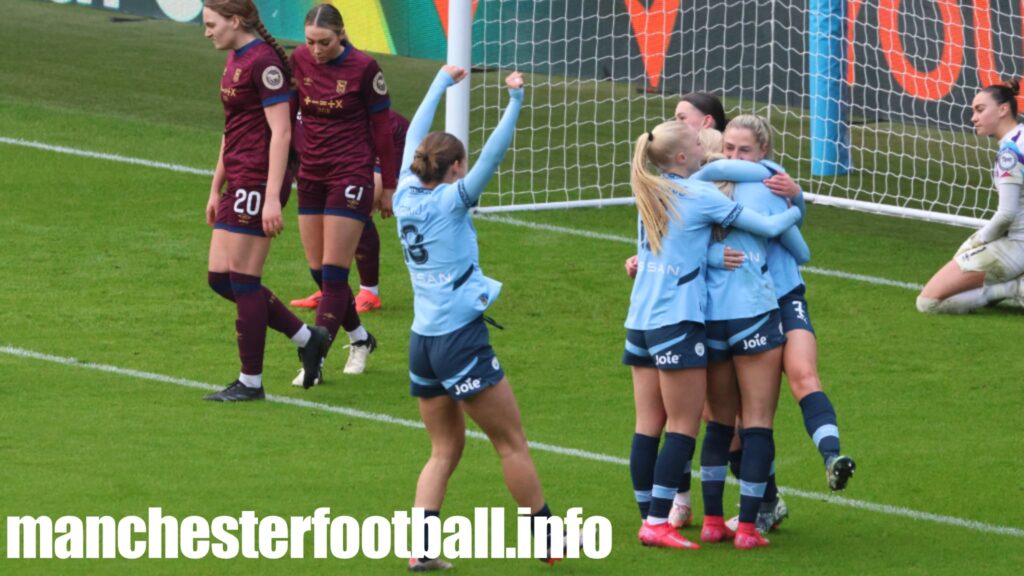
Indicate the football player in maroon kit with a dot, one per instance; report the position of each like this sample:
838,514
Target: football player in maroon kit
253,157
368,252
344,102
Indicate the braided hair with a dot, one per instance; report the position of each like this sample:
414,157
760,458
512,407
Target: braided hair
249,16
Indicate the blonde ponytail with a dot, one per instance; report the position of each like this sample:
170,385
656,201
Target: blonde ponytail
653,193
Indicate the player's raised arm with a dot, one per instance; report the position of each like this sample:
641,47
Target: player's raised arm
498,143
447,76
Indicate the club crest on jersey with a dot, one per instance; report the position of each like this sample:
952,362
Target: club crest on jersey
273,78
342,84
1007,160
238,74
379,85
307,81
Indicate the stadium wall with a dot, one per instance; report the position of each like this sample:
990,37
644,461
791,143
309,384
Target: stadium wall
911,61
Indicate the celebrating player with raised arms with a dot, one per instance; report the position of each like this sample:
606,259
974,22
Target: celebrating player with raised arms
452,367
665,340
344,101
986,268
253,158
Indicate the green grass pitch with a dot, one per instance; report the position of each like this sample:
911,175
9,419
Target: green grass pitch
105,262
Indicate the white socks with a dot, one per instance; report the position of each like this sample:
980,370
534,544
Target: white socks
970,300
301,338
682,499
358,335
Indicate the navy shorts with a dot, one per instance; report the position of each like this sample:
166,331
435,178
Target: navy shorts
348,197
461,363
795,315
745,337
241,207
672,347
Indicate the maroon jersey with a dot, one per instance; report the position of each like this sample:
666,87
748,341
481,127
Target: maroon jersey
253,80
399,126
336,100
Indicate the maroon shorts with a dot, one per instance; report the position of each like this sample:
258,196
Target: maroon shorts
349,198
241,208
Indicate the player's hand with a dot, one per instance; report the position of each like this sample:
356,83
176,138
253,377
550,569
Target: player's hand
733,258
971,243
211,209
632,264
515,81
386,207
783,185
272,222
456,72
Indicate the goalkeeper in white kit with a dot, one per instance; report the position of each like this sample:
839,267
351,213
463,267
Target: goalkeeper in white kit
988,265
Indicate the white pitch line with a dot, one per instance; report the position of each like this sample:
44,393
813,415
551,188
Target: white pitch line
861,278
626,240
539,446
502,219
105,156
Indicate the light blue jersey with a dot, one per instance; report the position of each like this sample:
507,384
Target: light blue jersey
783,266
436,230
440,249
749,290
670,285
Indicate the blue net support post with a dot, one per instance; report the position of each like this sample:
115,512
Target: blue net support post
830,133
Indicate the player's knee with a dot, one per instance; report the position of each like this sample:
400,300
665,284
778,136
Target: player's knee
510,444
446,456
650,424
445,462
927,305
803,380
220,282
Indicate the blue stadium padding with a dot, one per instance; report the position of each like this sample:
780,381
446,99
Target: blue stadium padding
830,136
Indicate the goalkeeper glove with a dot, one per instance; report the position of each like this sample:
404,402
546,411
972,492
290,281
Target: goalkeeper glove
972,242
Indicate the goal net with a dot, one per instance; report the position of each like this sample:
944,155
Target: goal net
890,81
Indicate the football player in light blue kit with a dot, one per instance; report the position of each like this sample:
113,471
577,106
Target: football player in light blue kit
452,366
749,138
745,337
665,340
